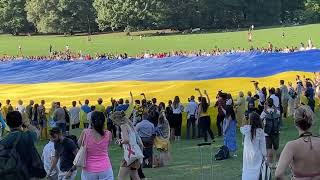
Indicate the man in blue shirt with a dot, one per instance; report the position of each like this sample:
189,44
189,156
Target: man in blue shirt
86,108
121,106
146,132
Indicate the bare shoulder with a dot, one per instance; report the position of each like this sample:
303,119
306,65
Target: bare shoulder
291,145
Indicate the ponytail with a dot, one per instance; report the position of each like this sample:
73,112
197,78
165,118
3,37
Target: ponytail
97,121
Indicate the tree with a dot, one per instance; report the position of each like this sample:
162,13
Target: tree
291,10
127,14
60,16
312,12
13,16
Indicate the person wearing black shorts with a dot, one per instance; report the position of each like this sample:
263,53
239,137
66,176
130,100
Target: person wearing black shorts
271,119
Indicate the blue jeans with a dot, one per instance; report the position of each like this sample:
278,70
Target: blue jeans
62,127
105,175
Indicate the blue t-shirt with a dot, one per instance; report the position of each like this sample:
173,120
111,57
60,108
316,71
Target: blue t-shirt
109,111
86,108
309,93
122,107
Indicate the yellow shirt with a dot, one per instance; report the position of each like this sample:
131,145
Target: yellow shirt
4,112
129,111
100,108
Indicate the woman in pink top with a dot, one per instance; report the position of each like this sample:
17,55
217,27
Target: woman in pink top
97,141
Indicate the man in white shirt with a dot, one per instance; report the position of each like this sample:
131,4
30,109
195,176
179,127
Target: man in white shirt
74,115
20,107
47,156
271,119
191,111
276,101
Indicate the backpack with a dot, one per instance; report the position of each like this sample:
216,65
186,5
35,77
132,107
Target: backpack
222,154
292,94
272,120
11,166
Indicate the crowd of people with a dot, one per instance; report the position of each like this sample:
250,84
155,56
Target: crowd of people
139,127
67,54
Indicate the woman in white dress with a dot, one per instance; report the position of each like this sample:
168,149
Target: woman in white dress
254,147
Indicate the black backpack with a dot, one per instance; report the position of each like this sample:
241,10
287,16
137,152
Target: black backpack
11,166
272,120
222,154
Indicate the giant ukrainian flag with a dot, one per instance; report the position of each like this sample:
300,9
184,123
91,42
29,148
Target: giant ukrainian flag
65,81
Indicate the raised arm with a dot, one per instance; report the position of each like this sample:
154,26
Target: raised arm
205,93
198,90
131,98
312,82
144,96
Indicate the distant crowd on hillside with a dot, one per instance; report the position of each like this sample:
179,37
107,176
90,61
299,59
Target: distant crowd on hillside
68,54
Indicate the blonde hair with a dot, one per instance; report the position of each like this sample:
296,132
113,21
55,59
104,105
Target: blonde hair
303,117
119,118
241,94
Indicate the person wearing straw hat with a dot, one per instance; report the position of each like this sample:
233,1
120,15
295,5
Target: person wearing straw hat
127,131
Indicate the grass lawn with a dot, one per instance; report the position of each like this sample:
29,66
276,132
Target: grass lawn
185,158
120,43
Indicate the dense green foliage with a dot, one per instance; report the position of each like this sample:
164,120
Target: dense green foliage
68,16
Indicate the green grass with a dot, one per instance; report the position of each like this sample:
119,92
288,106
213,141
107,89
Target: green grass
185,158
119,43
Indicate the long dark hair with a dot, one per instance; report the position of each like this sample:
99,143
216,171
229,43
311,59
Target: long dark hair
97,121
230,112
255,123
176,102
204,104
264,91
162,105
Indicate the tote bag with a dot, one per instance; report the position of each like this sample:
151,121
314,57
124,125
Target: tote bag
265,171
80,159
132,151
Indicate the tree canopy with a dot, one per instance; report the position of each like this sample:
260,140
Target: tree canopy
68,16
